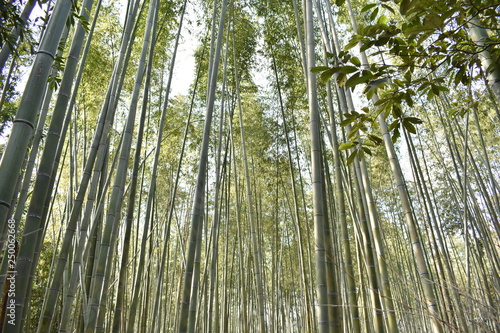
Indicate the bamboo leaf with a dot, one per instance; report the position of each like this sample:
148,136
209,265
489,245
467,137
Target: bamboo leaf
409,127
327,74
319,69
352,43
347,145
348,69
375,139
414,120
355,61
367,150
347,121
357,79
368,7
352,156
433,21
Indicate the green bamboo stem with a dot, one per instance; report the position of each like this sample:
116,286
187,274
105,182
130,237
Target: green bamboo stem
117,319
109,235
257,254
35,223
242,287
295,198
26,180
317,180
342,215
63,100
374,233
334,299
96,158
490,67
218,206
24,123
197,210
181,157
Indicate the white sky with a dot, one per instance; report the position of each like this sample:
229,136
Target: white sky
184,64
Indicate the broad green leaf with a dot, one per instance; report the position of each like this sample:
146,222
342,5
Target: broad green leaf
347,121
408,76
395,135
374,14
361,153
400,41
351,157
393,125
347,145
352,43
409,99
369,144
389,8
375,139
341,79
453,111
367,150
319,69
424,85
426,34
370,91
326,75
405,6
443,88
366,46
368,7
382,40
355,61
409,127
414,120
353,133
414,30
348,69
435,89
433,21
356,79
343,53
430,95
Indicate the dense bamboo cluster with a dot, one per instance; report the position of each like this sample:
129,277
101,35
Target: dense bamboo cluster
312,178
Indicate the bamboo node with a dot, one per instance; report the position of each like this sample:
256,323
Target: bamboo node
24,121
3,203
47,53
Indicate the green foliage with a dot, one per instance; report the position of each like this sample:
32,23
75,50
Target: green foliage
7,114
101,56
39,285
423,47
57,67
402,90
360,137
9,107
76,17
245,26
9,18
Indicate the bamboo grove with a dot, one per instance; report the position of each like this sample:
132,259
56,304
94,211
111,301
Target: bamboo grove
332,166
